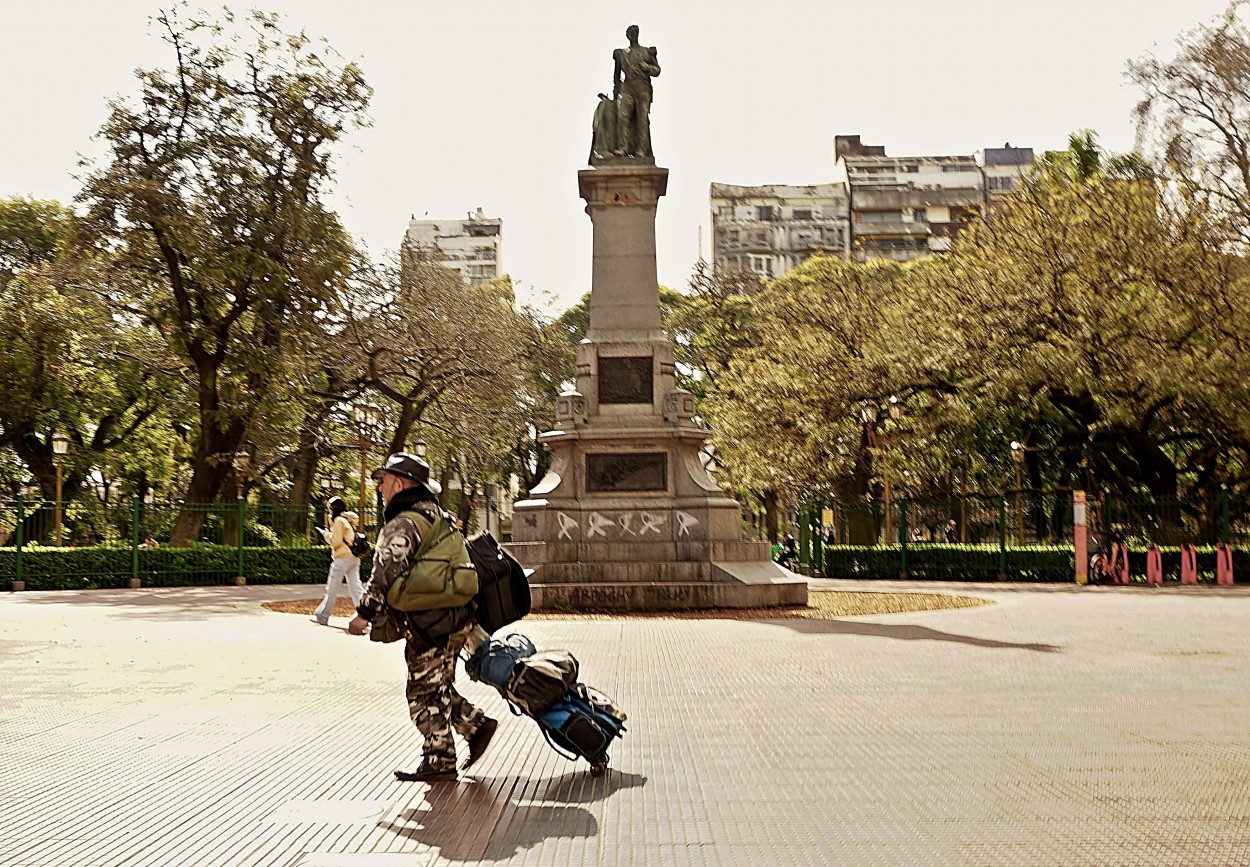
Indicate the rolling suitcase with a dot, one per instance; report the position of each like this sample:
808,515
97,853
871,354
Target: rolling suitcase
582,724
577,721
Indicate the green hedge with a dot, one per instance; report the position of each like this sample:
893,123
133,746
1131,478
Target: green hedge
198,565
928,561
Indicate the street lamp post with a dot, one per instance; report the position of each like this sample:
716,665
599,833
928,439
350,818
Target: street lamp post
366,416
242,462
1017,458
60,446
963,495
868,413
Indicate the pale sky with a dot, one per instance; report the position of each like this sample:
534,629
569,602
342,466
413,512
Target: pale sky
488,103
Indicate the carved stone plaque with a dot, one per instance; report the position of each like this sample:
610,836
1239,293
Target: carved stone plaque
635,471
625,379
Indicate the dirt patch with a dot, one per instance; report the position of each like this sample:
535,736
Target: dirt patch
822,605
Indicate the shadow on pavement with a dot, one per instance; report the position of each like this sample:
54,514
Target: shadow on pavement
170,603
480,820
903,632
580,787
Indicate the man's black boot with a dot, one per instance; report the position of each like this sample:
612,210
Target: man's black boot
426,774
479,741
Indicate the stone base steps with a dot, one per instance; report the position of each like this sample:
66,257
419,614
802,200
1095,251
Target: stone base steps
668,595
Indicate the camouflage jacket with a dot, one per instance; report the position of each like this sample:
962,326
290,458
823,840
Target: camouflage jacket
398,541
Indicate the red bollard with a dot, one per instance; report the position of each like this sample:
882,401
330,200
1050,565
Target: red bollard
1223,564
1189,564
1119,563
1154,566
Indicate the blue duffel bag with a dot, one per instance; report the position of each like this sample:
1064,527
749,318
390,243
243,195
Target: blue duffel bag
493,662
584,722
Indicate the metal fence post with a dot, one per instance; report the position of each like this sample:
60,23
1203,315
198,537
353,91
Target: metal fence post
818,552
902,535
805,536
1002,538
18,582
240,578
134,542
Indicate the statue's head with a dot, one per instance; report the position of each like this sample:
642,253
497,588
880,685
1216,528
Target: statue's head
631,33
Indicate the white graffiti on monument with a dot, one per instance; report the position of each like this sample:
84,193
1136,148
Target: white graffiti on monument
567,525
596,524
651,521
684,523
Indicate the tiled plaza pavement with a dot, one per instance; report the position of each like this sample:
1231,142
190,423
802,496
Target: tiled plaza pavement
1058,726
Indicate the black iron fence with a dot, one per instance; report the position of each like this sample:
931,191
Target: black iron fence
1017,535
130,544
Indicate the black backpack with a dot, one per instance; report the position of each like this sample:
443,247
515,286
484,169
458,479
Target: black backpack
360,545
503,595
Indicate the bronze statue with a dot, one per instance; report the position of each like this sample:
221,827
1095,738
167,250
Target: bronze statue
634,67
603,137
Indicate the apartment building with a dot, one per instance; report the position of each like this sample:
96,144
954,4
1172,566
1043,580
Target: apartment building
771,229
472,246
877,206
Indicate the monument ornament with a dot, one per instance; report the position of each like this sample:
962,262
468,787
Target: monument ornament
622,124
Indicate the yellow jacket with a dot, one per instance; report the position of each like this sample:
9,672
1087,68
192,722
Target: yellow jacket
339,536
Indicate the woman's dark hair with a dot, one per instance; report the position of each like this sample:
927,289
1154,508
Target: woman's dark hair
337,507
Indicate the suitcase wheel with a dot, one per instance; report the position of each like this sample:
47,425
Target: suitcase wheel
598,769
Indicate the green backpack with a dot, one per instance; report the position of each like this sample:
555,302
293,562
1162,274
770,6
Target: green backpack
441,574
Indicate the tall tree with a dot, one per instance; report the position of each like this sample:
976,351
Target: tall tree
69,365
212,205
449,361
1195,113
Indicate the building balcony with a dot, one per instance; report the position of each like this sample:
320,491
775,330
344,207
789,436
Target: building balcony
894,200
892,229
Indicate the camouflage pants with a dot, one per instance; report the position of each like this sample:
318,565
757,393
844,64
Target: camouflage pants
433,703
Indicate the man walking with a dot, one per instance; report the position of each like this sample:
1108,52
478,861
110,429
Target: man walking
432,638
344,563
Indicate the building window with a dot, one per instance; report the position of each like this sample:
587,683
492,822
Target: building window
725,211
959,167
911,170
766,213
998,184
920,215
880,216
802,213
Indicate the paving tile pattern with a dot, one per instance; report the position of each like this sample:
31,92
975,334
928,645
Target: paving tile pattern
1104,726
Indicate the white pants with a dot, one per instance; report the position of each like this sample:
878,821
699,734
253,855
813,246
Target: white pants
340,568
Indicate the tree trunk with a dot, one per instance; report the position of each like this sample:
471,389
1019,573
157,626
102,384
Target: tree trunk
212,469
772,515
303,472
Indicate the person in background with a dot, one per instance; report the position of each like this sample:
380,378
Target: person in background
789,551
345,564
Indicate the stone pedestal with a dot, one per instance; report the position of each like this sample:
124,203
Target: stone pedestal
627,516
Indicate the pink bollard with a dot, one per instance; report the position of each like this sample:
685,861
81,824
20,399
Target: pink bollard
1119,563
1154,566
1223,564
1189,564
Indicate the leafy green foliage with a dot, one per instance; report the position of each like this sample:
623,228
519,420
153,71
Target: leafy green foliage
209,221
